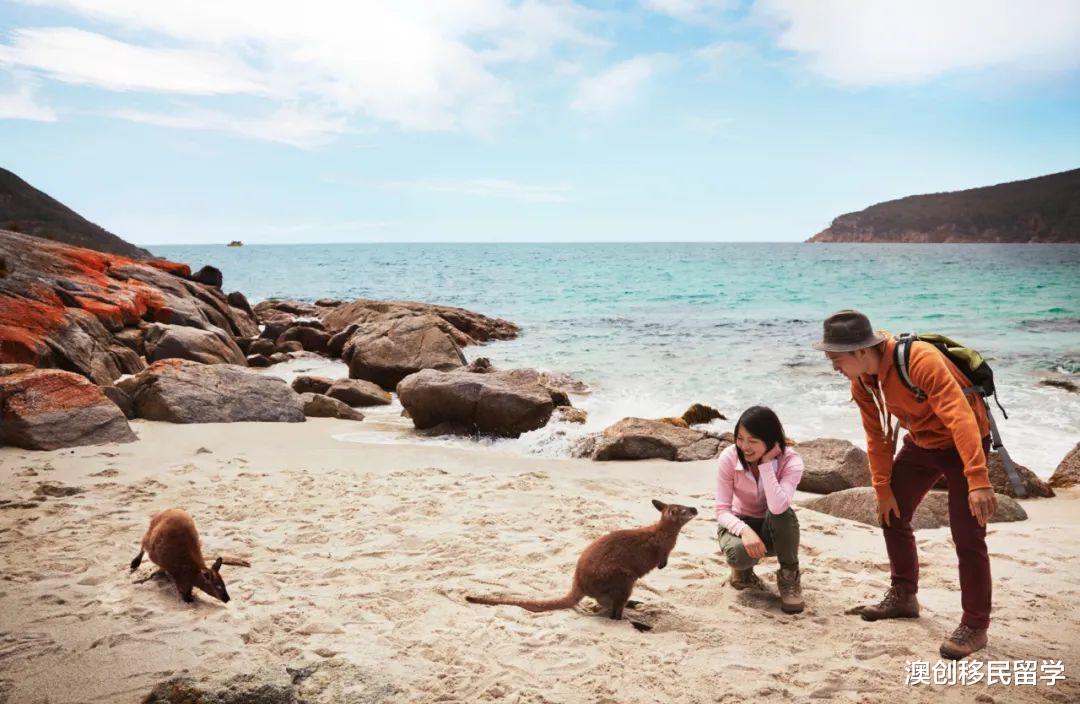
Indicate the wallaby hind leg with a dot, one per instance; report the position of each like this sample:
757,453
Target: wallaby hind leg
137,561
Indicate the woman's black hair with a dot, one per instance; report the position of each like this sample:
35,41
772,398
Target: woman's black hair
762,423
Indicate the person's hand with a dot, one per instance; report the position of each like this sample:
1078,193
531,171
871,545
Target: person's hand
983,503
886,507
770,455
754,547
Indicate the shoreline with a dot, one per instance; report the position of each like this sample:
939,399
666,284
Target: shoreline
363,551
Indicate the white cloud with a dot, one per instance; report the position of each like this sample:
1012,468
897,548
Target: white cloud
22,104
413,64
74,56
289,124
618,85
491,188
868,43
689,10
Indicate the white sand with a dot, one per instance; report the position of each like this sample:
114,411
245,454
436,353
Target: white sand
365,550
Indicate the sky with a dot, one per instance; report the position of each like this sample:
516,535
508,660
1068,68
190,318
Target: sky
526,121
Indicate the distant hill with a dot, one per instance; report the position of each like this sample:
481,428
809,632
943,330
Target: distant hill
25,209
1043,209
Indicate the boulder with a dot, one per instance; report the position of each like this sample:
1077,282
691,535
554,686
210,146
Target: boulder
326,681
336,344
258,361
122,400
999,479
304,384
860,504
468,327
209,275
279,357
126,359
289,346
480,403
832,465
320,406
46,409
310,338
181,391
1068,472
67,307
385,352
239,300
569,414
357,392
209,346
261,346
641,439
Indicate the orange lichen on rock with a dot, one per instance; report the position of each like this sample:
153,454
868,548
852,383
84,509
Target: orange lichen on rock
172,267
26,322
44,391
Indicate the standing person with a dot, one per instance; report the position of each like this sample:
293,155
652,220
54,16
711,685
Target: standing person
756,480
947,435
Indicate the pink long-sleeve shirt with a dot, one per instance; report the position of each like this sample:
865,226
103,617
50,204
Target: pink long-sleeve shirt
739,494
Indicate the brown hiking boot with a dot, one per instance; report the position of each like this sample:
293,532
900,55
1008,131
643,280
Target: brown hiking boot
896,604
746,579
790,583
963,642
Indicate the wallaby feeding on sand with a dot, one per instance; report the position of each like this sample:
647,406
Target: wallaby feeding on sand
611,564
173,545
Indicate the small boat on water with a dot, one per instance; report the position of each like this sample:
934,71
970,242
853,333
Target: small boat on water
236,243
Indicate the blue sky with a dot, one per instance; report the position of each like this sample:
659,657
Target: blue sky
499,120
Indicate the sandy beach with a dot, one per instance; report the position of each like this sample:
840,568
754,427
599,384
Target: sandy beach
363,552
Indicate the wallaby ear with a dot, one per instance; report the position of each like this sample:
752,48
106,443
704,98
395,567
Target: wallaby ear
660,505
217,565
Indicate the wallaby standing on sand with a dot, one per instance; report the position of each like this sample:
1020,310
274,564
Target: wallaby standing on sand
173,545
611,564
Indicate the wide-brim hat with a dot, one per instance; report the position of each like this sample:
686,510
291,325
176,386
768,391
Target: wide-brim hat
847,331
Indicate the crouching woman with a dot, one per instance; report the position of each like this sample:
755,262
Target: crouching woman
756,481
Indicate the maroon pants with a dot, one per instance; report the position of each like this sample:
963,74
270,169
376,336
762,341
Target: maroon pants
915,471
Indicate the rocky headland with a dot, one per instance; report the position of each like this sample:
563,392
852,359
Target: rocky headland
1044,209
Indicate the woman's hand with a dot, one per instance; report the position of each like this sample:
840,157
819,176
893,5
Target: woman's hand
770,455
754,547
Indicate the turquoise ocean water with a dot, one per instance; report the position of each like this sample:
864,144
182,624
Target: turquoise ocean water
655,327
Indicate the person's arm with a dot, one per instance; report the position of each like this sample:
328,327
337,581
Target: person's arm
725,488
930,372
878,446
778,492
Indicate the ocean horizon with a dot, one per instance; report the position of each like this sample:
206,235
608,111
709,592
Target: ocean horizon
654,327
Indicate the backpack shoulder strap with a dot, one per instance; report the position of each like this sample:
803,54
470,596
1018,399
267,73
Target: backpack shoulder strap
902,361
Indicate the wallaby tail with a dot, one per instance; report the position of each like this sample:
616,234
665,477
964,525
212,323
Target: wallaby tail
565,602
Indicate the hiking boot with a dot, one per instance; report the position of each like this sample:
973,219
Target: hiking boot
896,604
746,579
963,642
789,580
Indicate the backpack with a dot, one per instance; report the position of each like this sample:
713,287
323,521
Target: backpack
972,365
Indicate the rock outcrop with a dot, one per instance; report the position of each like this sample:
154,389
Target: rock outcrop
832,465
84,311
1043,209
999,479
641,439
210,346
357,392
387,351
461,401
860,504
320,406
46,409
1068,472
182,391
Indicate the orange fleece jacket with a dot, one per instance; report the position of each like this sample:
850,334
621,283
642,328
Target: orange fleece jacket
946,418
